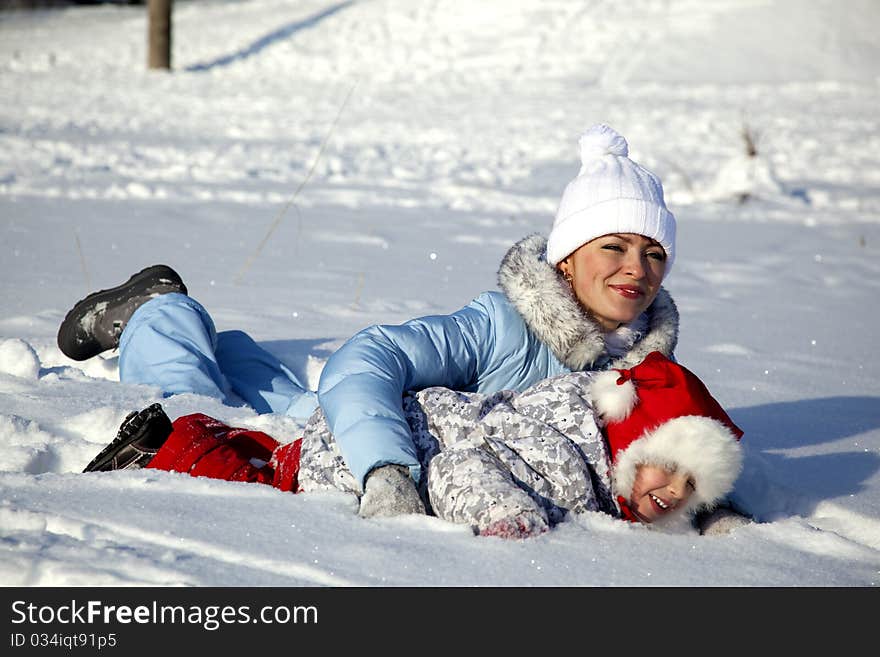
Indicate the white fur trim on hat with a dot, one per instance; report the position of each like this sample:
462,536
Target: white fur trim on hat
701,446
611,401
611,194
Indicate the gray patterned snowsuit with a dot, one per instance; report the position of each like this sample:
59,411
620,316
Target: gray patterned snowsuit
491,457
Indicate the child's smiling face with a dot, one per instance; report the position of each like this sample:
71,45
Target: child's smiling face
658,492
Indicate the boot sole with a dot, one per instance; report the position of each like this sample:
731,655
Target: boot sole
75,337
151,415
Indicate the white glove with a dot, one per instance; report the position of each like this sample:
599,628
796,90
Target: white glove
722,520
390,491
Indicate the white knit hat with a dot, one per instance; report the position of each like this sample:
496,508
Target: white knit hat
611,194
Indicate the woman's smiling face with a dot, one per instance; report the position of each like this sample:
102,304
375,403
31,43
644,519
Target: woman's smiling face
615,277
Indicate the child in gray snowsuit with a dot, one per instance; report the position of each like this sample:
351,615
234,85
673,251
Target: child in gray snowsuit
508,464
646,444
513,464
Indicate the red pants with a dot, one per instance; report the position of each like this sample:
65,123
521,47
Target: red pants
205,447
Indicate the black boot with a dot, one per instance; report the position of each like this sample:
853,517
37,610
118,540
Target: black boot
139,438
94,324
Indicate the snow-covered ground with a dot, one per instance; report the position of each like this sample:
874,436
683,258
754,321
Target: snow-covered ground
456,133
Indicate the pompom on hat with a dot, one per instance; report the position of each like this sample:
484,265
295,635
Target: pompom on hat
660,413
611,194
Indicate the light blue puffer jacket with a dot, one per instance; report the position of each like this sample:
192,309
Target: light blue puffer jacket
534,330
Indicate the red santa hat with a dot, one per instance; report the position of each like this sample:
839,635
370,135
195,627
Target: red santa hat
660,413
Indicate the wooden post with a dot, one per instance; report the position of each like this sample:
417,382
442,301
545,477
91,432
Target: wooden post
159,33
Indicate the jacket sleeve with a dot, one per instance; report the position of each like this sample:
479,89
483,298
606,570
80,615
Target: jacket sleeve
472,486
362,385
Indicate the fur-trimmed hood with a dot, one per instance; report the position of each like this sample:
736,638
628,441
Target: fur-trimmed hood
544,300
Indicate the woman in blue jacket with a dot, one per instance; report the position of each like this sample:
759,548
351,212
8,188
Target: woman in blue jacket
588,297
